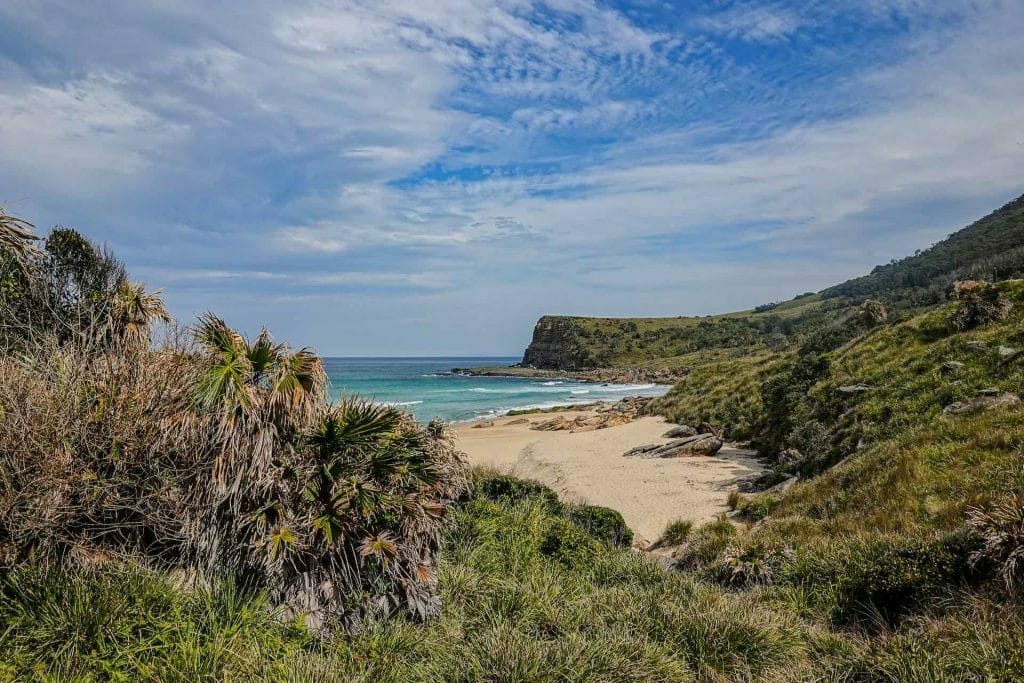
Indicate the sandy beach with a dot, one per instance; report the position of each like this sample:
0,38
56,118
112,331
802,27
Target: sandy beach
589,467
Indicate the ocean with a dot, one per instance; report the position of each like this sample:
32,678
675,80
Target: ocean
422,387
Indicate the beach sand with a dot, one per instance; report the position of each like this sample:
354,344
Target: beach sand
589,467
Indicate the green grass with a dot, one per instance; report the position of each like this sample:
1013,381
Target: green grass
512,612
723,389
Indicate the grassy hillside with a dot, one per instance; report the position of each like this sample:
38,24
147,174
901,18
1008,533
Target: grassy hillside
673,342
990,249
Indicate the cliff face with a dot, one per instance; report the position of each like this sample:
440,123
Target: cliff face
556,346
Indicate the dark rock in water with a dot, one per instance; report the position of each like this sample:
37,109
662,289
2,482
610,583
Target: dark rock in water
985,400
855,389
680,431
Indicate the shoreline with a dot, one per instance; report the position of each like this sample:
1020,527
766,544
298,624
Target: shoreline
661,376
589,466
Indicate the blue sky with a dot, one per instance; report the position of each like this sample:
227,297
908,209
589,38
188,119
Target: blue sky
409,177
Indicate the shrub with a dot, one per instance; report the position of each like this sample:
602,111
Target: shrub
980,303
707,543
568,544
755,564
872,313
757,507
677,532
1000,530
508,489
215,454
603,524
879,577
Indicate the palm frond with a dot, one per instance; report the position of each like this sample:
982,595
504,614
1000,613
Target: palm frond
134,311
215,335
16,236
263,353
361,423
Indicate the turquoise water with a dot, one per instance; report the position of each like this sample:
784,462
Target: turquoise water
421,386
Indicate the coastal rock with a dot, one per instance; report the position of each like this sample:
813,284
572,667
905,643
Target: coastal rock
985,400
553,425
483,425
680,431
641,450
517,421
699,444
706,428
1005,351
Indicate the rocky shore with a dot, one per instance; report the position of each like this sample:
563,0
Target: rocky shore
611,375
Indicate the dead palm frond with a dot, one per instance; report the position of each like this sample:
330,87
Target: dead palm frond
16,236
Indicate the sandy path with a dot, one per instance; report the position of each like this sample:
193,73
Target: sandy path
589,466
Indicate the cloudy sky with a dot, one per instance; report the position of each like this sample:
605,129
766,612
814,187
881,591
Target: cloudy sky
427,178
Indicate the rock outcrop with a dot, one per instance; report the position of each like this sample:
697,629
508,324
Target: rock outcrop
698,444
679,432
985,400
556,346
610,415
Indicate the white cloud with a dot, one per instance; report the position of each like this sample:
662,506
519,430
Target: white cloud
756,24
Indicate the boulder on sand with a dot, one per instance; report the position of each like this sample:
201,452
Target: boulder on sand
698,444
679,432
640,450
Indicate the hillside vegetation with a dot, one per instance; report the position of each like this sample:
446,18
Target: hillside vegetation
884,544
990,249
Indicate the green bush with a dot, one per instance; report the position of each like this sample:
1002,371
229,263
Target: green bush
757,507
707,543
504,488
677,532
569,545
885,577
603,524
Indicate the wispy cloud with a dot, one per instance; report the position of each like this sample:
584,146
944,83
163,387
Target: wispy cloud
757,24
308,163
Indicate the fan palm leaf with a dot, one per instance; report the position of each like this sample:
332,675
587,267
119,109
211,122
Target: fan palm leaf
214,334
263,354
134,311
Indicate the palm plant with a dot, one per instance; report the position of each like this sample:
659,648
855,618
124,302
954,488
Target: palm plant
133,313
16,236
326,504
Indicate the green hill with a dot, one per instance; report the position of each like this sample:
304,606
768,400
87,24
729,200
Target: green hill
990,249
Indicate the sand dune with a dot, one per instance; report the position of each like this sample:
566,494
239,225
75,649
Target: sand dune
589,466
